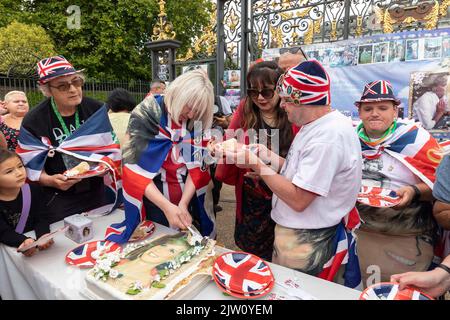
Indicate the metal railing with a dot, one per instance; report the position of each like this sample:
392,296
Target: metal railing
95,89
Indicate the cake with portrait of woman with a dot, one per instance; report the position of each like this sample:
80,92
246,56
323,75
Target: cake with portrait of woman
169,267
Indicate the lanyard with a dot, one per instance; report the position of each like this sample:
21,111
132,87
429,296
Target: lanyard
61,121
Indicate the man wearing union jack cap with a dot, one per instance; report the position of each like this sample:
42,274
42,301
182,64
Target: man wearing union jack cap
399,158
63,131
316,186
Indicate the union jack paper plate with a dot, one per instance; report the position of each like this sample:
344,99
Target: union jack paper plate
390,291
249,295
92,172
378,197
85,255
241,272
144,230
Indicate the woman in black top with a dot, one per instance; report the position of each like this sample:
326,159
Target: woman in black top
55,119
13,199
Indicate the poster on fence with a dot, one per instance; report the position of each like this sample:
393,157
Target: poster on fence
416,63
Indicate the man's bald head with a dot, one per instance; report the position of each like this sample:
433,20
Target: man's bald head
288,60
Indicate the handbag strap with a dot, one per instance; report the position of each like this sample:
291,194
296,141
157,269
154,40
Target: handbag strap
26,203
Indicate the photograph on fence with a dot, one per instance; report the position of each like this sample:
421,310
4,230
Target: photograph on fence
365,54
428,100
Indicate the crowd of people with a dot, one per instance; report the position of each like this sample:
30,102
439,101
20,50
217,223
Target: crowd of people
297,169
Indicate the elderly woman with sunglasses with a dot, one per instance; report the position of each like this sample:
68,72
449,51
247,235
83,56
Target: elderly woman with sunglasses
401,157
53,121
259,117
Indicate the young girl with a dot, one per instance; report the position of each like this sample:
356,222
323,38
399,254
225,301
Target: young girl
21,208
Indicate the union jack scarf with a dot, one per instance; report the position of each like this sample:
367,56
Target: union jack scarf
411,145
93,141
344,244
153,138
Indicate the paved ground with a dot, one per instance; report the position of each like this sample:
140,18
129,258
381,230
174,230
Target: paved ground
225,219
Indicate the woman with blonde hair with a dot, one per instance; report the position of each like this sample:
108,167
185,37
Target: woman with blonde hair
16,104
164,176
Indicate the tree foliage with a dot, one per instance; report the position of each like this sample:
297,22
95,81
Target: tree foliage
110,42
21,47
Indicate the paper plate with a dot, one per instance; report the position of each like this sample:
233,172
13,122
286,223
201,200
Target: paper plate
144,230
252,292
244,295
85,255
242,272
92,172
378,197
390,291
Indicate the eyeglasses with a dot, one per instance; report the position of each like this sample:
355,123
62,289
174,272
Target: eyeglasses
293,50
266,93
77,82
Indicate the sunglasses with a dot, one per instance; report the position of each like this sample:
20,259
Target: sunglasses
292,50
77,82
266,93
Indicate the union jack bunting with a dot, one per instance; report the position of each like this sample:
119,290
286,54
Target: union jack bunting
307,83
171,152
344,244
388,291
53,67
243,273
93,141
85,255
414,147
378,197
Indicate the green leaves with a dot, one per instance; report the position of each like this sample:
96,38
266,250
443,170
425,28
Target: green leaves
110,42
21,47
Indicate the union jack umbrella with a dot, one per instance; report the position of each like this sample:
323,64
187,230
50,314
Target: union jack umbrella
391,291
84,256
378,197
242,272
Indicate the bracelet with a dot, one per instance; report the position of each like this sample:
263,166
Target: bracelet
417,193
443,266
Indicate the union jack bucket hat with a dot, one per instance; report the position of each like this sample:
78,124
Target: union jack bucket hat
307,84
54,67
378,90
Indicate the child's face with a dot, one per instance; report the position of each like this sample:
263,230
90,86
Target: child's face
12,173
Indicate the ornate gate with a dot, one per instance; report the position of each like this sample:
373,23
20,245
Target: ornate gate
246,27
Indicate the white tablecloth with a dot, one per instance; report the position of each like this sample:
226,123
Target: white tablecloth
47,276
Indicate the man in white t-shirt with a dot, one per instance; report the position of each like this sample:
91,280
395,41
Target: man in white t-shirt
316,186
432,105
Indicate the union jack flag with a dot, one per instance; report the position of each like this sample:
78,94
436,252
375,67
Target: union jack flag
85,255
92,141
50,67
242,272
388,291
308,83
171,152
413,146
378,197
344,244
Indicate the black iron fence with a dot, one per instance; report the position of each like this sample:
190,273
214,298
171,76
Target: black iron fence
95,89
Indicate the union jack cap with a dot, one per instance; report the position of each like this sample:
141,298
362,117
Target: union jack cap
54,67
307,83
378,90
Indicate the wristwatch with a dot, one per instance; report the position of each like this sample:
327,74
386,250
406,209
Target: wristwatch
417,193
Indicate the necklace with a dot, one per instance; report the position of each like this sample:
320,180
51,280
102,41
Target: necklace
61,121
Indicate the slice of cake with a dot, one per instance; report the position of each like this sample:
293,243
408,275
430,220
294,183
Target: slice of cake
81,168
156,269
